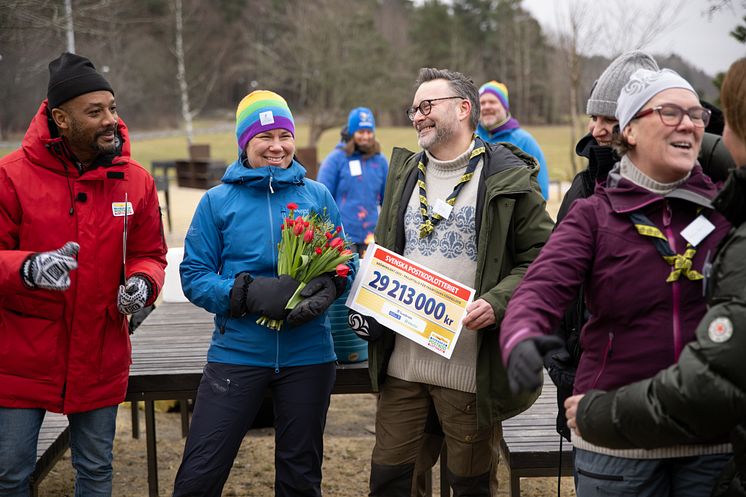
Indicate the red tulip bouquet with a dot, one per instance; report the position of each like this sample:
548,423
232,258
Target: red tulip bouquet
308,248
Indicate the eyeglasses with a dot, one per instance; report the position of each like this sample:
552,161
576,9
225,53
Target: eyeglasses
672,114
425,107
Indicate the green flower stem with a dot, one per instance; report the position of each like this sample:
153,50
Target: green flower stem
296,298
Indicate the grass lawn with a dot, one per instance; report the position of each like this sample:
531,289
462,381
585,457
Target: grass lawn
554,141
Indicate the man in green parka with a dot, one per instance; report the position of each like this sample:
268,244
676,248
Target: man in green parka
473,212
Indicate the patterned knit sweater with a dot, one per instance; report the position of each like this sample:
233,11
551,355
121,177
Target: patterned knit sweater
450,250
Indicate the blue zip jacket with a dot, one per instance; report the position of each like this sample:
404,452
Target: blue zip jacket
236,228
523,140
358,197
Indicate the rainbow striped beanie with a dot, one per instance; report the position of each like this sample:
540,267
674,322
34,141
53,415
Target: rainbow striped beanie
498,89
260,111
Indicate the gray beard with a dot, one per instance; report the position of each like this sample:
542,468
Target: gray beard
442,135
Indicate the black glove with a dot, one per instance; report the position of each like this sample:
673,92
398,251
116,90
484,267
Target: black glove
318,295
51,270
364,327
133,295
526,361
263,296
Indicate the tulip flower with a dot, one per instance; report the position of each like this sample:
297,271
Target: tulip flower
304,253
342,270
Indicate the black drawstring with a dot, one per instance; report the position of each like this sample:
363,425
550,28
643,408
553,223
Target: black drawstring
559,472
56,152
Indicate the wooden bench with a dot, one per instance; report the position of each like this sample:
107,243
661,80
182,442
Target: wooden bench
531,445
54,439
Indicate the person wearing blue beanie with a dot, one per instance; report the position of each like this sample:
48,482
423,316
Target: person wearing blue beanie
355,174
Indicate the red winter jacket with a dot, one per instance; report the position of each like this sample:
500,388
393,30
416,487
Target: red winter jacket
70,351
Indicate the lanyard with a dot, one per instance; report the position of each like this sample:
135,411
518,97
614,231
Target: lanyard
429,221
681,264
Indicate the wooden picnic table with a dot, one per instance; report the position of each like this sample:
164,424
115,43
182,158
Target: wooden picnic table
169,351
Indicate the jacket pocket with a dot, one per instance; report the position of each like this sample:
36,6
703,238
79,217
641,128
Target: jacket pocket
116,349
34,307
30,331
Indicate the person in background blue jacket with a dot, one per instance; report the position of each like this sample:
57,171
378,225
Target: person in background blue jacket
497,125
230,269
355,174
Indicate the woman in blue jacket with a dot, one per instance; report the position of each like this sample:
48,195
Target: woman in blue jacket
355,174
230,269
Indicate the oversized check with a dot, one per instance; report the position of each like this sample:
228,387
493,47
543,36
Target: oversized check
412,300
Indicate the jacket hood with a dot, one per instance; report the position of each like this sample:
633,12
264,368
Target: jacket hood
624,196
731,201
45,148
513,178
267,177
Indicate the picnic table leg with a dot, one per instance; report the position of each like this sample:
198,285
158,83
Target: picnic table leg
150,443
135,407
184,410
445,487
515,485
168,205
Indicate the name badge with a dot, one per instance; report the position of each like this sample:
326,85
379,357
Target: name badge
117,208
355,168
410,299
697,230
442,208
266,117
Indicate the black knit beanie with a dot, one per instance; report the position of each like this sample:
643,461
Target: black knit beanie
71,75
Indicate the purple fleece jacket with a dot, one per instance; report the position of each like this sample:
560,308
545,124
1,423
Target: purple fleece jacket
639,323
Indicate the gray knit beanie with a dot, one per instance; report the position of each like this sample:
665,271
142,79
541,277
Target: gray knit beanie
606,89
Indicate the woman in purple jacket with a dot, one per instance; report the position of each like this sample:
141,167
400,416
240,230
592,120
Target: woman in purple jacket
640,245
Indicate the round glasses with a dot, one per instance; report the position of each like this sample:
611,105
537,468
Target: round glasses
672,114
425,107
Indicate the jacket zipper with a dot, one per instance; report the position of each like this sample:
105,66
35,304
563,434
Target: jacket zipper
675,286
607,354
274,261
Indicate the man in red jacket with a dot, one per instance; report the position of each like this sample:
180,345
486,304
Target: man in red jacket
81,247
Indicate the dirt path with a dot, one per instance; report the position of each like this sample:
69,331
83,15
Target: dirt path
348,444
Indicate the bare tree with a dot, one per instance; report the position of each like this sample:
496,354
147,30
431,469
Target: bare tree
632,26
203,81
186,111
579,30
327,57
611,27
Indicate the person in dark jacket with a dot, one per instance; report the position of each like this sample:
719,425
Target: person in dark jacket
704,394
639,245
230,269
68,197
596,147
